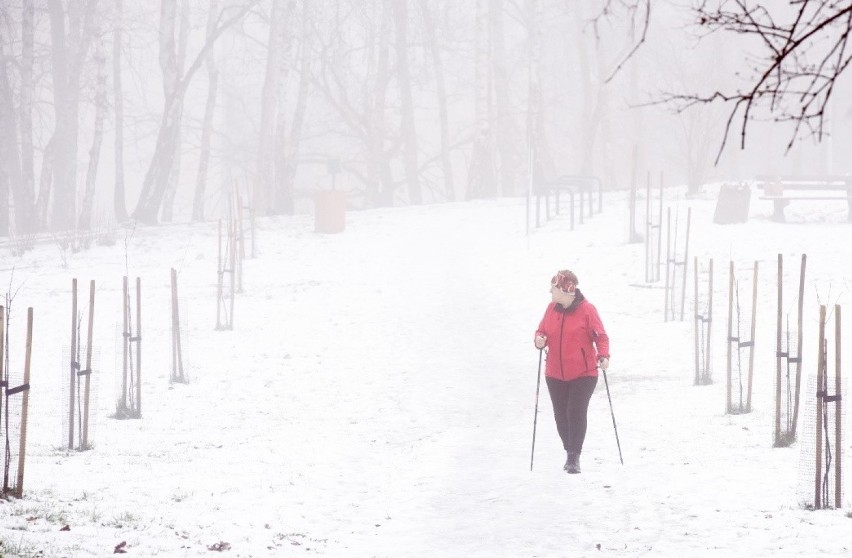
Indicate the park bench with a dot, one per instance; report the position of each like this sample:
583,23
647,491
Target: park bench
781,190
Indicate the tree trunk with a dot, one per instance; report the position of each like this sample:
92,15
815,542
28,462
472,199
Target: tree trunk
157,175
10,162
119,201
174,174
441,91
290,163
536,115
156,178
68,56
97,140
24,208
505,126
263,197
209,112
281,194
379,182
408,130
481,175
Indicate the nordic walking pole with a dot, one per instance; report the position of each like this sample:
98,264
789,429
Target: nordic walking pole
535,416
614,427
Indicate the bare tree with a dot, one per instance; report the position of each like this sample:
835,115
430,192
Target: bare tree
174,88
69,50
272,104
97,139
803,48
180,62
482,173
289,134
119,202
408,131
207,125
430,35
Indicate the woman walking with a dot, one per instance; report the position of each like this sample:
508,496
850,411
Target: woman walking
577,345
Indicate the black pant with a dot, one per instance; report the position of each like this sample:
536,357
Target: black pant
570,404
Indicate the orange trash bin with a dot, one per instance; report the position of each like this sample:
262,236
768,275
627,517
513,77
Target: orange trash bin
330,211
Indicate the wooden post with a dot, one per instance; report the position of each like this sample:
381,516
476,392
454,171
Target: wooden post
74,366
232,259
709,318
668,260
838,415
778,351
632,236
660,227
139,347
25,403
177,356
2,353
220,271
819,403
698,326
751,339
84,445
685,264
799,347
125,334
648,229
730,331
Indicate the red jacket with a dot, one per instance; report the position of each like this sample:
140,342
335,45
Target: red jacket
575,339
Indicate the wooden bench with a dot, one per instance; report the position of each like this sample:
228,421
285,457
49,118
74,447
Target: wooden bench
778,190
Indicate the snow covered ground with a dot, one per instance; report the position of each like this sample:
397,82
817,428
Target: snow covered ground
376,395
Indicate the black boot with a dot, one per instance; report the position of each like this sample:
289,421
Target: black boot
572,466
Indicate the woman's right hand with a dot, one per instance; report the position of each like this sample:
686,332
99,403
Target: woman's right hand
540,341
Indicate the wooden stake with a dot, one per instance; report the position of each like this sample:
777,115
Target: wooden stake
219,283
730,331
177,357
799,347
648,229
751,339
698,326
685,264
232,260
125,334
838,414
25,404
778,351
2,351
668,260
139,347
88,372
707,359
819,391
660,227
72,375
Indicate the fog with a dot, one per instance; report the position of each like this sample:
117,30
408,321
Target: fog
392,103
